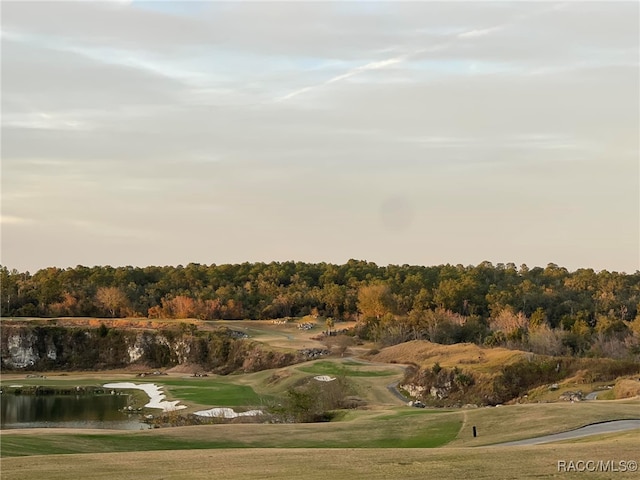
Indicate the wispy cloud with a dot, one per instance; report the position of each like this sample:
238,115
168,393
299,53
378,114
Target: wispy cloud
47,121
390,62
371,66
480,32
14,220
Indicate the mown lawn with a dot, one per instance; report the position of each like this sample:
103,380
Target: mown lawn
524,463
53,444
397,431
349,369
212,392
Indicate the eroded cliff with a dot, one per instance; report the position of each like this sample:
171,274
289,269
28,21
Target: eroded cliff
51,347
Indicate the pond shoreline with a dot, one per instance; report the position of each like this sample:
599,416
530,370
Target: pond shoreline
71,409
53,390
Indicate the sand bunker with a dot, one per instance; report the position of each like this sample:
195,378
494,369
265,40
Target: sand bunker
156,397
324,378
227,413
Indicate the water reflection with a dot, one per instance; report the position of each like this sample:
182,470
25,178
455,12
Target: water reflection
72,411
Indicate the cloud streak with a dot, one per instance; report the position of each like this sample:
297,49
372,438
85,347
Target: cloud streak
384,64
371,66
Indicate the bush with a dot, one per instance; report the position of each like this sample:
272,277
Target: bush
313,401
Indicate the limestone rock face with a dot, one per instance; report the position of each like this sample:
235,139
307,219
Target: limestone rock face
20,351
25,346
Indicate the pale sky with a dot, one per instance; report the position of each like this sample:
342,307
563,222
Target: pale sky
160,133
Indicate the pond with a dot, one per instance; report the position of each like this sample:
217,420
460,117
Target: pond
70,411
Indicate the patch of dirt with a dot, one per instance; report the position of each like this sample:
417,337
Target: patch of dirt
138,368
190,368
581,376
278,376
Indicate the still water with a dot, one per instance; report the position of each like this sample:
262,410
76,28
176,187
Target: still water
71,411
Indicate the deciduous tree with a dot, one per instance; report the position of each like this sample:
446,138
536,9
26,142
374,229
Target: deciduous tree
375,300
112,299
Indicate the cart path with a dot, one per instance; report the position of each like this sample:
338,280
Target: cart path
593,429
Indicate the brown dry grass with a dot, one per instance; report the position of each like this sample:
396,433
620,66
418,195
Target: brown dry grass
623,388
627,387
466,355
539,462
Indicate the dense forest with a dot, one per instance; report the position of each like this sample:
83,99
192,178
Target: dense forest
547,310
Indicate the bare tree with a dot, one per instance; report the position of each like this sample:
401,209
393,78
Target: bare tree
111,299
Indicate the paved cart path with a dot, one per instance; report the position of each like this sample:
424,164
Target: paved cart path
594,429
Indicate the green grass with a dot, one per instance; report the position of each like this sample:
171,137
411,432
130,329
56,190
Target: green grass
21,445
204,391
348,369
397,431
411,413
433,437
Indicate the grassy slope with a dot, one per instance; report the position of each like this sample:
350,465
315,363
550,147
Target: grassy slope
369,381
467,356
364,430
392,427
538,463
515,422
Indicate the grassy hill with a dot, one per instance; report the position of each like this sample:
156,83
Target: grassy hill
467,355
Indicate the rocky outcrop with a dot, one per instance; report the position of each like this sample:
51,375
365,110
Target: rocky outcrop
414,391
20,348
576,396
44,348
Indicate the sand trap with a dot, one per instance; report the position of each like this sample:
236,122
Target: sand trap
227,413
156,397
324,378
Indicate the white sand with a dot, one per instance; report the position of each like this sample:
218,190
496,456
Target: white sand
324,378
156,397
227,413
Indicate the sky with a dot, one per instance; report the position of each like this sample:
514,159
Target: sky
423,133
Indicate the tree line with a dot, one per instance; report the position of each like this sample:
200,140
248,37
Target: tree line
486,303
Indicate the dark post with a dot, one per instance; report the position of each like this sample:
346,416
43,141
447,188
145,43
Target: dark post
475,432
